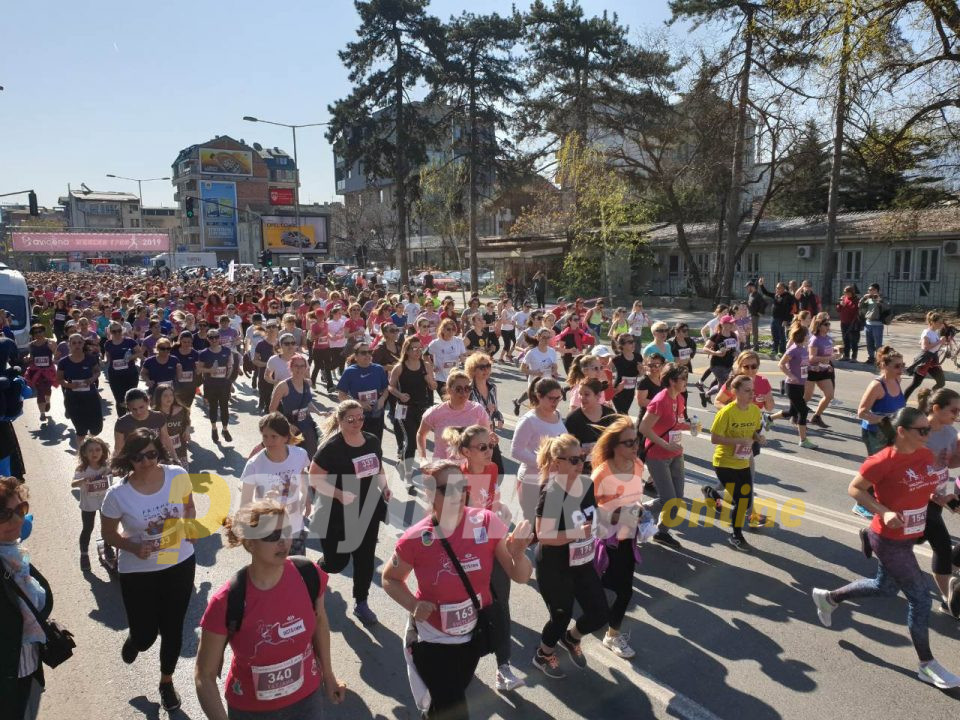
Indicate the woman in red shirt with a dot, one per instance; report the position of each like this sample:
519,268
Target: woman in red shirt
571,340
902,479
213,308
246,310
849,311
281,650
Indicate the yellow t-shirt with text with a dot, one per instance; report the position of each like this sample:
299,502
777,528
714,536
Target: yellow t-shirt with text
733,422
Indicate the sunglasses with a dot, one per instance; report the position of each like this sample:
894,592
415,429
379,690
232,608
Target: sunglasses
145,455
575,460
354,419
288,342
659,331
461,389
484,366
21,509
750,367
553,398
921,431
629,442
627,342
363,352
482,447
452,488
277,535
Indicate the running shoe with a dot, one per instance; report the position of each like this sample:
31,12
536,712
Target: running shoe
169,699
711,493
767,421
665,538
227,436
364,614
549,665
129,652
953,597
818,421
575,651
650,490
860,510
506,679
937,675
214,435
84,562
756,522
738,542
807,444
516,407
865,543
618,644
703,398
825,608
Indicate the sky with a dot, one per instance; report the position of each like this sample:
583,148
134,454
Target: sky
102,86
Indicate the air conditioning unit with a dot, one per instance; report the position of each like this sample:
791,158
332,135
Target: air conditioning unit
951,248
804,252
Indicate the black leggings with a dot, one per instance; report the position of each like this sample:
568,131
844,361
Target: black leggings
120,382
264,389
945,557
509,338
559,586
938,380
364,558
89,519
218,403
446,670
739,481
407,447
500,590
798,406
156,604
619,578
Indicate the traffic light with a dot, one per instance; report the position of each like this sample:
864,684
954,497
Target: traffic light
32,199
266,258
189,206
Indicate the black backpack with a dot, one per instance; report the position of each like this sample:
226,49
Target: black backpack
237,594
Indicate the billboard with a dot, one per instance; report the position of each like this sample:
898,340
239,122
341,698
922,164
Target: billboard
281,196
280,235
60,242
226,162
218,202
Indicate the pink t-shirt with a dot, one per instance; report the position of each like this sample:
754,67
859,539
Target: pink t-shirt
273,662
669,412
761,390
474,542
442,416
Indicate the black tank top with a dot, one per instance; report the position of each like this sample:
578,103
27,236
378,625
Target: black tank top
414,383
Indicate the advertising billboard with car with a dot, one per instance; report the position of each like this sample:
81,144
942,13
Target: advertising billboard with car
280,234
225,162
218,203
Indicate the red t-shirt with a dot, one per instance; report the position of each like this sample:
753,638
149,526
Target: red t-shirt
669,412
482,487
320,334
213,312
902,482
246,310
474,542
761,390
353,327
273,662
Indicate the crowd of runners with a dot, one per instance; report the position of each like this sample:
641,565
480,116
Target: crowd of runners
599,441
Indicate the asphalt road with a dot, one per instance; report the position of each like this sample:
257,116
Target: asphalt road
718,634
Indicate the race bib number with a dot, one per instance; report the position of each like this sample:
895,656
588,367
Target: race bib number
400,411
447,365
59,317
743,452
81,385
120,365
804,371
175,441
914,521
674,437
219,372
301,414
581,551
506,327
98,484
42,361
730,343
458,618
759,399
186,376
279,680
366,465
367,396
629,383
685,353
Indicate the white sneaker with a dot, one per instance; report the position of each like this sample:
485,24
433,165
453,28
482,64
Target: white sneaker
618,645
937,675
825,608
506,679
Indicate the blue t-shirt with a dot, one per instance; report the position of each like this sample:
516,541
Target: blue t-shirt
82,370
120,355
188,363
159,372
398,319
364,384
218,361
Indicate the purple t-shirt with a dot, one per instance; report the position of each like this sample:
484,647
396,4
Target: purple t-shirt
821,345
799,360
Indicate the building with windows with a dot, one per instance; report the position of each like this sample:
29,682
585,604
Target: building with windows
100,209
913,255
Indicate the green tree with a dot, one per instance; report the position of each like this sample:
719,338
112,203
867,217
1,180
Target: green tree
440,203
806,176
478,82
397,47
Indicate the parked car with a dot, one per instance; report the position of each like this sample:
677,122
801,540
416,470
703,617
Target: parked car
392,278
484,278
295,238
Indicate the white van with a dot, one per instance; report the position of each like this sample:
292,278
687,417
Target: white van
16,301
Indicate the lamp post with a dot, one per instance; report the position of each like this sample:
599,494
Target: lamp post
139,182
296,185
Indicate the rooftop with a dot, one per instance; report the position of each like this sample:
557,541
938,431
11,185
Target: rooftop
100,196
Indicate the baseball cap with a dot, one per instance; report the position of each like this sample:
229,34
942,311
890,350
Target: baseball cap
601,351
727,319
751,283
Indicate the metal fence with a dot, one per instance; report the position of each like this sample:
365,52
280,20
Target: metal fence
903,294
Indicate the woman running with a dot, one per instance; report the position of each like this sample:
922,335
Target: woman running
627,366
684,348
542,421
572,340
294,399
537,362
280,675
722,347
457,410
564,555
903,479
589,420
927,363
659,345
484,392
508,330
446,352
821,374
443,613
650,383
42,373
662,429
637,320
412,386
77,376
177,416
214,366
122,354
795,365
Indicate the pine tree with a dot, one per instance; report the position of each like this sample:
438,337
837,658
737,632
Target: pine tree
806,176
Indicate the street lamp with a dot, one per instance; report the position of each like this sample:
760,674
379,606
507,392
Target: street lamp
296,185
139,182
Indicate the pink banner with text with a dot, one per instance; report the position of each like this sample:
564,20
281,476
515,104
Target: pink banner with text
90,242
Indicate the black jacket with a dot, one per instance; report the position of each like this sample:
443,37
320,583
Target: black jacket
11,636
755,303
782,305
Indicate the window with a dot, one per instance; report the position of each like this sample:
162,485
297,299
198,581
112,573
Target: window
753,263
134,222
675,265
702,261
852,267
901,264
922,264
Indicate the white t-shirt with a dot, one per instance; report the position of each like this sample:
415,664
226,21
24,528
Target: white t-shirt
338,335
446,354
411,309
540,361
932,337
506,319
637,321
94,488
280,369
253,338
520,318
146,518
270,480
712,325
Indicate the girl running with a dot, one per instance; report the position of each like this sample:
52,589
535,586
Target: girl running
821,374
92,477
795,365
